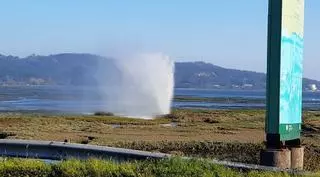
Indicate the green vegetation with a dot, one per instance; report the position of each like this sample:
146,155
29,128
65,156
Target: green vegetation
230,151
101,168
189,125
233,151
235,135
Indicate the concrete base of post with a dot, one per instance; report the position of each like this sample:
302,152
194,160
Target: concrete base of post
297,155
280,158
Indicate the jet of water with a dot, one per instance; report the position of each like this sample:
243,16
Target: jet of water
139,86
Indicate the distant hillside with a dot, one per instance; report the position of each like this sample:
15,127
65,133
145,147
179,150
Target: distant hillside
205,75
61,69
80,69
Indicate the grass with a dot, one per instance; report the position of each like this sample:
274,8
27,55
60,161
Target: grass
235,135
191,126
102,168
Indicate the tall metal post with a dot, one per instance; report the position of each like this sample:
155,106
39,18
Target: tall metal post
284,76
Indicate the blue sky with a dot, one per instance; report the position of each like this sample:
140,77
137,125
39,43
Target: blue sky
228,33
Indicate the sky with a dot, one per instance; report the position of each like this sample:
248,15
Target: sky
227,33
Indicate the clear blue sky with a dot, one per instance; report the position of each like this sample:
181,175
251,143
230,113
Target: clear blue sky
229,33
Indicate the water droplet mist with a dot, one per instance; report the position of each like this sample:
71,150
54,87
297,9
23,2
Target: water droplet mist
138,86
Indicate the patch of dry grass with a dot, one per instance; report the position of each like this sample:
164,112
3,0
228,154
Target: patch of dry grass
235,135
191,125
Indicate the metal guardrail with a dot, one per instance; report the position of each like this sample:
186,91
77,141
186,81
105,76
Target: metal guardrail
59,150
50,150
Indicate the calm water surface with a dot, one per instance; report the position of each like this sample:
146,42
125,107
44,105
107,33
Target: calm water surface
84,100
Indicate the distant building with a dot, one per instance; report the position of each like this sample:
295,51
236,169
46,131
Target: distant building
235,86
204,74
247,85
313,87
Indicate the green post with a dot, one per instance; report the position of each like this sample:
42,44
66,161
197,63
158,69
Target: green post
284,72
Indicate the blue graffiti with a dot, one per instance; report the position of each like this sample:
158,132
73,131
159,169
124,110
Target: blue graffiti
291,79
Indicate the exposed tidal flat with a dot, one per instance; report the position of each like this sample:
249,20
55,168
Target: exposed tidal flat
234,135
218,100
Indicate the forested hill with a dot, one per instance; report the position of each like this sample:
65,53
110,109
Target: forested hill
79,69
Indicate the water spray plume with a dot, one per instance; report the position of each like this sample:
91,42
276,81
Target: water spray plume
141,86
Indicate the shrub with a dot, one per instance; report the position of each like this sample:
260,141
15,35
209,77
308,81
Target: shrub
103,114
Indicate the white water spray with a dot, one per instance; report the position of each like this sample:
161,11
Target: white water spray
141,86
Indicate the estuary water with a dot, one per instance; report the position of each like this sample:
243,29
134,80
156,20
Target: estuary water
87,100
